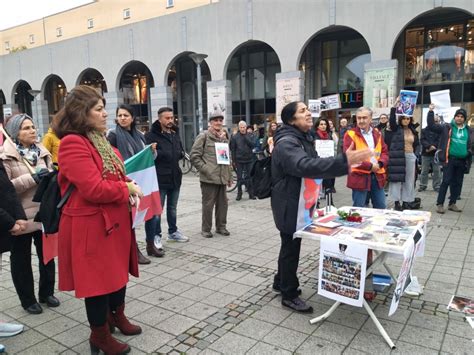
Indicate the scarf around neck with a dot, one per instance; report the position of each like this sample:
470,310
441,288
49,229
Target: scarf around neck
31,154
322,134
130,142
111,162
220,135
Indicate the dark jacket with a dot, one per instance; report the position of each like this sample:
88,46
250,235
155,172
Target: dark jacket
396,148
445,130
241,146
429,138
293,158
11,209
169,151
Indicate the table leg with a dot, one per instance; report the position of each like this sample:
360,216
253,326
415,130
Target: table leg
325,315
390,272
378,325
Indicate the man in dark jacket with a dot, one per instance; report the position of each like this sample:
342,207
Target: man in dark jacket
456,145
169,151
429,144
294,158
241,145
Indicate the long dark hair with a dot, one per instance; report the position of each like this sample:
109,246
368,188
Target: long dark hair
288,112
318,121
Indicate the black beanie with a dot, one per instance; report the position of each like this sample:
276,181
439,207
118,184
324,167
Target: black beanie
461,111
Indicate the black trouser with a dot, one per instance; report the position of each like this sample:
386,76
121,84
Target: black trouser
286,279
97,307
243,177
22,272
328,184
453,176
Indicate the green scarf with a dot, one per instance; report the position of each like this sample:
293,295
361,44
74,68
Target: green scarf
110,160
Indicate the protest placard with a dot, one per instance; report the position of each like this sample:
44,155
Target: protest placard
314,106
330,102
407,103
325,148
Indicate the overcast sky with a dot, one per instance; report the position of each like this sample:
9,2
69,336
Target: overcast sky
17,12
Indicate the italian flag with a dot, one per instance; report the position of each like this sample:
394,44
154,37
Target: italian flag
141,169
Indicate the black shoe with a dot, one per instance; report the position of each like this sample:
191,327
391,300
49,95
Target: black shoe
397,207
406,206
222,231
35,308
298,305
251,197
50,301
239,197
422,188
276,289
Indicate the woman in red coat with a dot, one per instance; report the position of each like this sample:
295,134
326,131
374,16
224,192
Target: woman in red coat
96,242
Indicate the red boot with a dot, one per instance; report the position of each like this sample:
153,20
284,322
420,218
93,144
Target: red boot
101,339
119,320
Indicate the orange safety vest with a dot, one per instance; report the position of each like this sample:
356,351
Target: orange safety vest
360,143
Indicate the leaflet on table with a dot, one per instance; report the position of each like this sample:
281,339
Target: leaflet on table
342,270
461,304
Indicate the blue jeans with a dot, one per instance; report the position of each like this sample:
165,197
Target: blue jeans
376,194
153,225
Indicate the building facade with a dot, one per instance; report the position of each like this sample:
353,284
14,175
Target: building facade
257,55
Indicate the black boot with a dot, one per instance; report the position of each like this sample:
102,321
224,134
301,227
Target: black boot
239,195
397,206
406,206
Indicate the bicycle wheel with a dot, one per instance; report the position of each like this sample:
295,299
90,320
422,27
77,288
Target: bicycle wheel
186,165
234,182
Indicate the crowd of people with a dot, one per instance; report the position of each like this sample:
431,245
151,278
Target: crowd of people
97,249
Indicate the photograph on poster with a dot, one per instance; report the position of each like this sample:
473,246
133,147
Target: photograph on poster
407,103
461,304
222,154
330,102
314,106
313,228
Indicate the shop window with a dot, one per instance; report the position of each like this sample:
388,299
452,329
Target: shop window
257,83
32,39
329,75
126,14
135,90
413,66
414,37
448,33
469,62
443,63
455,92
329,49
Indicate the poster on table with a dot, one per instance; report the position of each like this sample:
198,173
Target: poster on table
403,280
287,90
330,102
314,106
216,100
445,115
342,270
380,86
309,194
406,106
324,148
222,153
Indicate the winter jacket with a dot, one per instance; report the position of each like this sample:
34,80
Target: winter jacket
11,209
396,148
445,131
169,151
360,178
293,158
241,146
51,143
203,157
22,180
96,244
429,138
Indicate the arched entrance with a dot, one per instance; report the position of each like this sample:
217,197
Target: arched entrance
94,78
182,79
252,69
54,92
135,81
22,98
435,52
333,62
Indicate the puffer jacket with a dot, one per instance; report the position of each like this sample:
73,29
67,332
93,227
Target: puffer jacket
22,180
51,143
203,157
293,158
395,140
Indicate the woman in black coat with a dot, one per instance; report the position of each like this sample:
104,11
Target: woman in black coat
402,140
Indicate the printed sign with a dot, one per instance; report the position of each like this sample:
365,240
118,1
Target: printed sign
287,90
330,102
325,148
314,106
222,153
380,89
216,100
342,270
407,103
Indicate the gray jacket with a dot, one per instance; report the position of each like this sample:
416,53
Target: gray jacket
203,158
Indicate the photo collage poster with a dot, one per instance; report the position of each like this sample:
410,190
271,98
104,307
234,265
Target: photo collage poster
342,271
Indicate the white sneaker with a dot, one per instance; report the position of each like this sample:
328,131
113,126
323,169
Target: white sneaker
158,244
414,288
178,237
10,329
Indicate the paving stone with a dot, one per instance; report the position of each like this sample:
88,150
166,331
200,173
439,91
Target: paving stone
254,328
457,345
313,345
328,330
232,343
428,322
272,314
202,344
422,337
176,324
371,343
267,349
150,340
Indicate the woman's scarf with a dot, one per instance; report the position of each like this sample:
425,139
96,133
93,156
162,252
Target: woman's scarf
110,160
130,142
31,154
322,134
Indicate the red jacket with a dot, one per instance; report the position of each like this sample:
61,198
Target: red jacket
362,181
96,243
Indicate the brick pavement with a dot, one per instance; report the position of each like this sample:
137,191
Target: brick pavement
213,296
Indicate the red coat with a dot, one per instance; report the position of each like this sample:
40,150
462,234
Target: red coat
96,243
361,181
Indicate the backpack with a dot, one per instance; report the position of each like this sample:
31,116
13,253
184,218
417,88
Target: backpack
48,194
261,178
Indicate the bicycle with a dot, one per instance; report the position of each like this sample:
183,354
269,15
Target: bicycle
233,185
186,165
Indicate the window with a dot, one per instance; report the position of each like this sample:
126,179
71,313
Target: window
7,45
59,32
90,23
169,3
32,39
126,14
